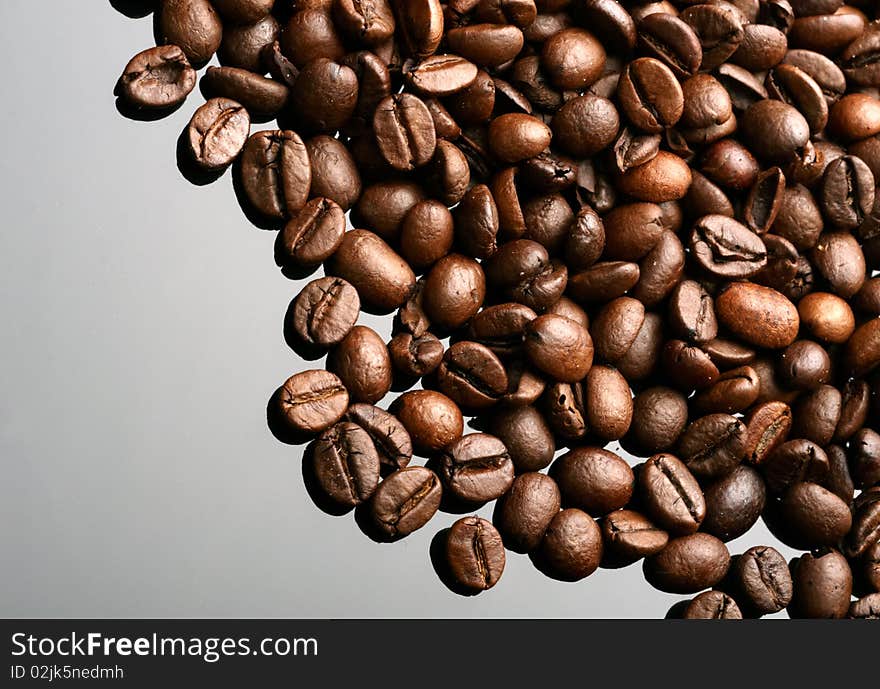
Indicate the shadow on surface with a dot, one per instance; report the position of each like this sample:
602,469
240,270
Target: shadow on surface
313,488
191,172
135,9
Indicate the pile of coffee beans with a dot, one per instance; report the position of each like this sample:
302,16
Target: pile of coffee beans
604,229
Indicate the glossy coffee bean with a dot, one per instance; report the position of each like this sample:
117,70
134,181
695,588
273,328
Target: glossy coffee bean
688,564
431,418
822,585
263,98
585,125
719,30
454,291
476,468
324,311
847,192
827,316
692,312
629,536
804,365
560,347
523,515
311,401
390,439
346,464
472,375
573,58
734,503
476,222
759,315
664,178
276,174
516,136
362,362
383,206
662,415
671,495
862,353
864,458
767,427
650,95
608,402
713,445
594,480
475,553
526,435
217,132
571,548
405,131
405,501
774,130
793,462
251,46
669,39
421,25
814,516
243,11
193,25
762,581
727,249
157,78
334,173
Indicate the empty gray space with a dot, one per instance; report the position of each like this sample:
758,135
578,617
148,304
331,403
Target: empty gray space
141,341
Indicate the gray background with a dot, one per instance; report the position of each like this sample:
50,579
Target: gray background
141,340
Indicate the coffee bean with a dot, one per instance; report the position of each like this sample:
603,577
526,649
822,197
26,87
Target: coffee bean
311,401
404,131
774,130
730,165
632,230
573,58
426,234
571,548
713,445
667,38
263,98
632,149
661,415
759,315
688,564
525,512
390,439
664,178
867,608
863,348
243,11
762,580
362,362
859,59
726,249
476,468
405,501
475,553
594,480
585,125
768,425
276,174
660,270
712,605
793,462
309,35
650,95
369,21
565,408
629,536
324,311
822,585
847,192
194,25
804,365
251,46
734,503
441,75
719,30
432,419
471,375
157,78
764,200
383,206
488,45
449,174
865,528
476,222
421,25
854,409
692,312
671,495
334,173
815,516
217,132
346,464
560,347
864,458
454,291
525,434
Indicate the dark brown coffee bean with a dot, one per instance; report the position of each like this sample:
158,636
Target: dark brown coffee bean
276,63
688,564
616,327
526,436
276,174
826,34
520,13
549,172
629,536
608,402
671,495
309,35
741,85
441,75
688,367
793,462
524,513
762,580
759,315
242,11
632,230
823,71
263,98
405,501
194,25
325,95
719,30
383,206
571,548
792,85
726,353
827,316
667,38
864,458
764,200
312,235
476,468
771,388
734,503
660,270
712,605
594,480
585,125
368,21
650,95
404,131
730,165
475,553
664,178
157,78
804,365
854,409
324,311
501,327
488,45
867,608
251,46
692,312
863,348
859,60
426,234
822,585
604,281
865,531
762,47
516,136
362,362
565,408
335,175
768,425
382,279
560,347
217,132
421,25
311,401
774,130
727,249
449,176
374,81
415,356
847,192
632,149
662,416
799,219
471,375
713,445
814,516
573,58
476,222
390,438
454,291
346,464
431,418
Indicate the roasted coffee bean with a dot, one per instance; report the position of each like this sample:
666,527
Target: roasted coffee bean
862,353
362,362
585,125
712,605
814,516
671,495
324,311
594,480
782,266
415,356
768,426
799,219
827,316
441,75
310,35
854,409
604,281
759,315
650,95
573,58
476,222
571,548
370,22
525,512
476,468
390,439
719,30
217,132
865,528
560,347
193,25
632,230
404,131
405,501
726,249
713,445
276,174
734,503
251,46
688,564
762,580
525,434
726,353
276,63
616,327
741,85
688,366
666,177
549,172
346,464
867,608
774,130
311,401
667,38
565,408
864,458
632,149
334,173
243,11
804,365
730,165
432,420
822,585
660,270
847,192
661,415
454,291
570,310
421,25
312,235
426,234
764,200
381,277
448,174
501,327
692,312
475,553
263,98
157,78
859,59
516,136
488,45
383,206
471,375
608,402
771,388
793,462
325,95
629,536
